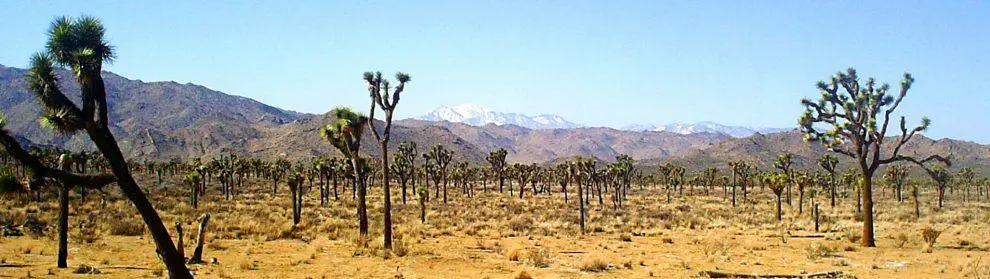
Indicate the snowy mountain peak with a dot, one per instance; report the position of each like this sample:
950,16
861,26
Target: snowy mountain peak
705,127
478,115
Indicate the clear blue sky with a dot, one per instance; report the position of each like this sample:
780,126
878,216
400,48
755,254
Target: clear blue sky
601,63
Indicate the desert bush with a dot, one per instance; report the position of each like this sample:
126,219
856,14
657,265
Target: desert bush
852,235
900,240
524,275
514,255
521,223
594,264
816,251
929,235
540,258
126,227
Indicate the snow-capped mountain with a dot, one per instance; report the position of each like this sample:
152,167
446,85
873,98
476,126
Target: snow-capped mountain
477,115
706,127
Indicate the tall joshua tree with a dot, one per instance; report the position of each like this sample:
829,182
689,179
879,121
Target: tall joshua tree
345,135
405,166
829,163
379,89
857,115
783,163
776,182
441,161
79,44
896,175
497,160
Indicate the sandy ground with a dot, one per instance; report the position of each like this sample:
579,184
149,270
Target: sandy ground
495,236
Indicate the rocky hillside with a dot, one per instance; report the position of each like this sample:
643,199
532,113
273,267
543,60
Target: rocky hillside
163,120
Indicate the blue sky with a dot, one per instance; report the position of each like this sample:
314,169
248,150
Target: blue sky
600,63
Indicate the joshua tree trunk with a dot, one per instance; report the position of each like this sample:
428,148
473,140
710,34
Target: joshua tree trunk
388,196
63,226
198,253
581,203
917,206
779,211
868,240
107,145
179,245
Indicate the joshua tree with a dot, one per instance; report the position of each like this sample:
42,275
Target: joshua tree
424,196
345,135
965,179
379,90
940,177
195,185
497,160
783,163
850,178
741,172
776,182
562,174
79,45
857,121
295,182
829,163
896,175
804,182
441,161
405,166
577,169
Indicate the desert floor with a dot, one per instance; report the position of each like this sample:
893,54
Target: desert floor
493,235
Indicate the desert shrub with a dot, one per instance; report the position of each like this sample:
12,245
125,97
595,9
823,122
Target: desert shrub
86,269
514,255
594,264
816,251
524,275
900,240
853,236
126,227
540,258
400,247
625,237
521,223
929,235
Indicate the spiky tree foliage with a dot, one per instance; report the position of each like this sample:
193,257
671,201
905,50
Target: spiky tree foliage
783,163
624,171
441,161
850,178
829,164
857,119
562,174
424,196
777,181
804,181
741,172
940,177
405,166
345,134
194,179
965,179
580,168
896,175
497,161
295,181
708,177
385,98
79,44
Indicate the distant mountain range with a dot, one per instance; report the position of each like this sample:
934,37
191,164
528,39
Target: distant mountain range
706,127
477,115
164,120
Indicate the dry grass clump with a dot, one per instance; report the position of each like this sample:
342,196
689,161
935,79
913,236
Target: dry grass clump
126,227
514,255
540,258
521,223
900,240
594,264
524,275
817,250
929,235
